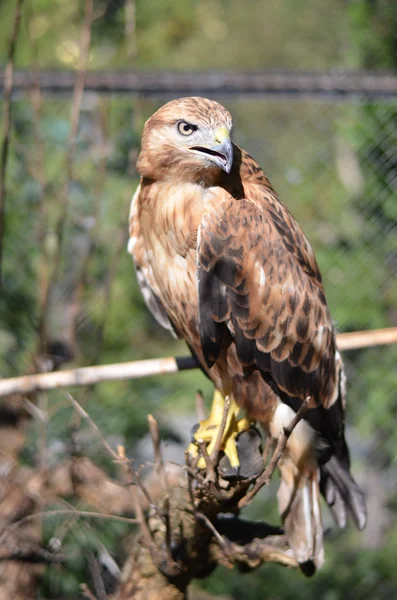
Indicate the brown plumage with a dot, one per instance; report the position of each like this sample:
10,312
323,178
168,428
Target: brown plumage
223,264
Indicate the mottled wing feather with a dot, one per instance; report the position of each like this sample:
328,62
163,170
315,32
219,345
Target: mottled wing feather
258,276
211,312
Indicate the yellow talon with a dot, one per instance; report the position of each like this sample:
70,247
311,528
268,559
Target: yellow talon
208,431
230,448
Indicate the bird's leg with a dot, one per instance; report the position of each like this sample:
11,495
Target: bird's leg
208,429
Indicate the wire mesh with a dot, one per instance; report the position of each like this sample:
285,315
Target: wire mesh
333,164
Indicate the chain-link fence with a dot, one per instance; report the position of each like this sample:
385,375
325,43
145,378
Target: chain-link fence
69,298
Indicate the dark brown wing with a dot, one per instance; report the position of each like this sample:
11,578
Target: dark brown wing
258,277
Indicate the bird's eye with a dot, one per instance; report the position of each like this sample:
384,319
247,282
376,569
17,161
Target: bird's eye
186,128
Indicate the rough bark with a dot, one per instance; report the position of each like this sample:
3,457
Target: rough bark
186,536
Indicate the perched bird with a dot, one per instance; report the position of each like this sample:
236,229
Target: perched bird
222,263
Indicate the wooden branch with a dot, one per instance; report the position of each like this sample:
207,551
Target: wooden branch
94,427
37,167
200,406
222,542
87,592
165,557
31,553
96,577
63,199
158,457
253,555
66,511
130,29
159,366
8,89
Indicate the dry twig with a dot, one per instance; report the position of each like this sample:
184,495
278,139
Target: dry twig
200,408
31,553
168,530
130,28
267,449
78,92
265,477
65,511
140,515
219,538
121,458
94,427
7,94
96,576
87,592
190,474
145,491
155,436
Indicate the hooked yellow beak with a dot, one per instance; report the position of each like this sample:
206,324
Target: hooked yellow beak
224,147
222,135
220,151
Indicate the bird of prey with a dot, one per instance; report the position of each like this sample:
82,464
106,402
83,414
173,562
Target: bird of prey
223,264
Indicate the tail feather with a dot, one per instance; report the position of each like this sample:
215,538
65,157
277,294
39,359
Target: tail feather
333,499
299,505
342,493
299,491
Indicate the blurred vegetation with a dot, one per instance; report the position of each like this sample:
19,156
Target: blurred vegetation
334,165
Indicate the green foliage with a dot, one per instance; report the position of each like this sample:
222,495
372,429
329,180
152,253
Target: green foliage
373,27
372,576
332,164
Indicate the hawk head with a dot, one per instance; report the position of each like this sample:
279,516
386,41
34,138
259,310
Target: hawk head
188,140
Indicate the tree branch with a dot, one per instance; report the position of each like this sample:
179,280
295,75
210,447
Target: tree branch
63,200
8,87
168,555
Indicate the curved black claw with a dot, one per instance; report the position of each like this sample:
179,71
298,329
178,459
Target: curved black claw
249,448
193,432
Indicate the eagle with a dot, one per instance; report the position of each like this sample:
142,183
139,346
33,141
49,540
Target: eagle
222,263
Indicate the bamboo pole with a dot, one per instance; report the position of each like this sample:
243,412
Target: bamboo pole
97,374
159,366
366,339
